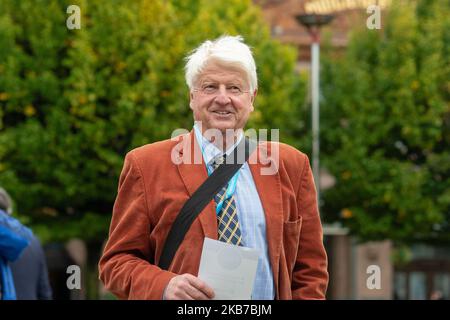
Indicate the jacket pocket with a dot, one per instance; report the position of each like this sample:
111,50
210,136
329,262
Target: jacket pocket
291,238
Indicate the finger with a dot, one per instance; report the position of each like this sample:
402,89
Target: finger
176,289
196,294
181,294
186,296
200,285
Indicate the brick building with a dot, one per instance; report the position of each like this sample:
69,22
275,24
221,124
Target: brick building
281,16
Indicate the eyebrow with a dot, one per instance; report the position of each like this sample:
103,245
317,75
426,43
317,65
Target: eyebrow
215,81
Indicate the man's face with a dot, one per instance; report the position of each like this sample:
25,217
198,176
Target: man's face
217,103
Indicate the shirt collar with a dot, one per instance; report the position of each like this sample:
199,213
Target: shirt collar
209,150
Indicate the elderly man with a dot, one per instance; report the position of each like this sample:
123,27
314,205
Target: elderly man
275,213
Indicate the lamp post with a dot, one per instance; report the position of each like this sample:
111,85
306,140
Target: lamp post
313,22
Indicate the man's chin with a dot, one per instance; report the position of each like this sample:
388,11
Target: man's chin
223,126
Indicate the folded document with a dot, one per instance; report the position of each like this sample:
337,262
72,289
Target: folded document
229,269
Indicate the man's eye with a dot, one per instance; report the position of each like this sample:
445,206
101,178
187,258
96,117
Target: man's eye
209,87
235,89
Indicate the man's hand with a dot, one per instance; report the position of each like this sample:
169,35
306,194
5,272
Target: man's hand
187,287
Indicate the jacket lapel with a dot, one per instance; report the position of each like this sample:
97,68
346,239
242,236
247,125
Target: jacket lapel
269,190
193,172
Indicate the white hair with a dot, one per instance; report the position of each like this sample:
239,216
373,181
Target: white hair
226,50
5,201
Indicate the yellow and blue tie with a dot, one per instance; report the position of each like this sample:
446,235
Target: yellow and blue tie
227,219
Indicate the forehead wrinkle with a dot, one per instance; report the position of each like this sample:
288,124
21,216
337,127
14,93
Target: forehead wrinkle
217,78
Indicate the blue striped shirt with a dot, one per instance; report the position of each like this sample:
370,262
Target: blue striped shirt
251,218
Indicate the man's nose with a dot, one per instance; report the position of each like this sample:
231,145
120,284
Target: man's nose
222,96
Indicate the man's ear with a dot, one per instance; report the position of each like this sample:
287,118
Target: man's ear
254,94
254,97
191,97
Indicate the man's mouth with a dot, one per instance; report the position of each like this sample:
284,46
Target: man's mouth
222,113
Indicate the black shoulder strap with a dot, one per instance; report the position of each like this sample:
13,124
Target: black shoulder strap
201,197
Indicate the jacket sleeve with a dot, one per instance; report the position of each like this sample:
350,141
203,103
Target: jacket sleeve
124,266
310,275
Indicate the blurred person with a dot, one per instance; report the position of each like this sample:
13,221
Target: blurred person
58,260
437,295
11,246
30,270
274,213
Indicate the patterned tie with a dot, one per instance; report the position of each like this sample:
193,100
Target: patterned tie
227,219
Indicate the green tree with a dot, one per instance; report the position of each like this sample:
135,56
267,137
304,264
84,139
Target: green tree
73,102
386,127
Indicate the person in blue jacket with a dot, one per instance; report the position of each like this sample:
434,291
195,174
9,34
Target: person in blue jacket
29,271
11,246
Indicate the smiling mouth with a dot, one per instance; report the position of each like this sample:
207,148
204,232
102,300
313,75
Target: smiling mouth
222,113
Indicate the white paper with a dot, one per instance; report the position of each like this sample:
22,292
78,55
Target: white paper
228,269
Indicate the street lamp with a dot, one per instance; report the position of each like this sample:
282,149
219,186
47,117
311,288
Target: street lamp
313,22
